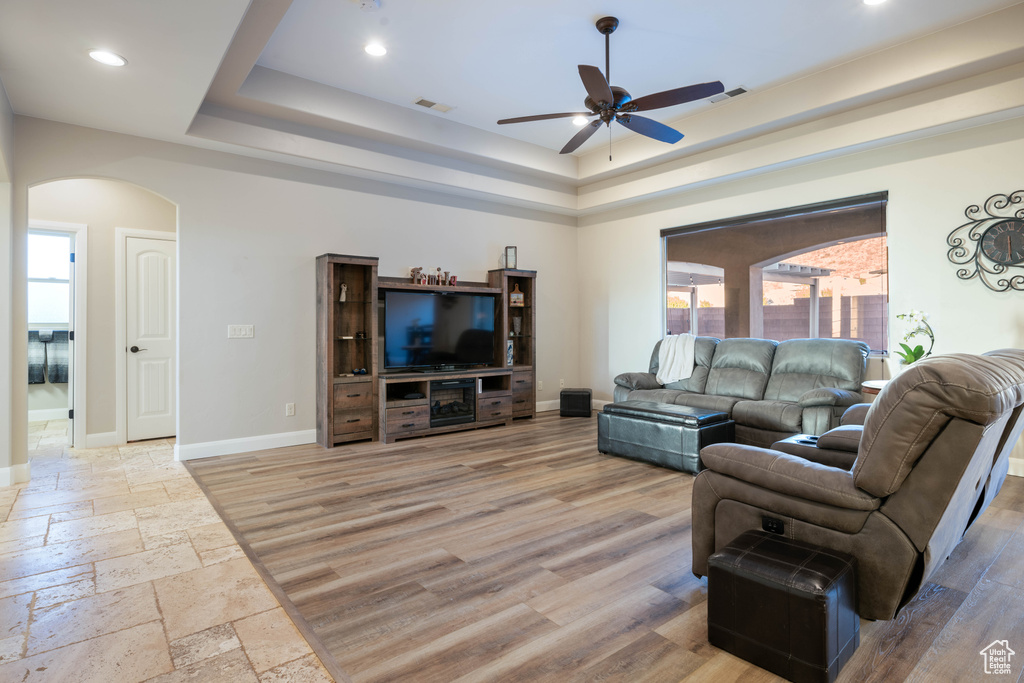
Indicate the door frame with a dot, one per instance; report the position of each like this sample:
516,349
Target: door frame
121,236
78,367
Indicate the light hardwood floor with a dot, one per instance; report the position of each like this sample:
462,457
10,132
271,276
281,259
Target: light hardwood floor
522,554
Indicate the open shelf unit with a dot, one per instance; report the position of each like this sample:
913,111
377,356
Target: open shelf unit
346,345
518,325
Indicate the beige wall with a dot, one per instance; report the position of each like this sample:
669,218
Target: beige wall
7,388
930,183
102,205
248,235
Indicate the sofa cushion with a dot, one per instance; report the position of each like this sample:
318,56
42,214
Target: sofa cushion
801,365
780,416
740,368
710,401
703,352
656,395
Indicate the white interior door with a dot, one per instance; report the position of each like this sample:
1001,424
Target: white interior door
150,326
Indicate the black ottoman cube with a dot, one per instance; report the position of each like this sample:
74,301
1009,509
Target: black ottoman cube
574,403
784,605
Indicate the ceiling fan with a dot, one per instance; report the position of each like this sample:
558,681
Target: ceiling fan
612,103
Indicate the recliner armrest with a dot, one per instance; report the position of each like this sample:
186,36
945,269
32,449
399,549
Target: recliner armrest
855,414
827,396
637,380
842,438
789,475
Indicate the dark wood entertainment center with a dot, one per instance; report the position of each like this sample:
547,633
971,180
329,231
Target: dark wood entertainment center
388,405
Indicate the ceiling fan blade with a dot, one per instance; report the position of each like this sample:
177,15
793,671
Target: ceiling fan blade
596,85
650,128
542,117
581,137
670,98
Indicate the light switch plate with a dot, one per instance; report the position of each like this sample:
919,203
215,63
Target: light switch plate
240,332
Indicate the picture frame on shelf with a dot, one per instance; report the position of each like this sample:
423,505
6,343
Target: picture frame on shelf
511,258
516,298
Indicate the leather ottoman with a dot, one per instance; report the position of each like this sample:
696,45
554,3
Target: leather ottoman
661,433
783,605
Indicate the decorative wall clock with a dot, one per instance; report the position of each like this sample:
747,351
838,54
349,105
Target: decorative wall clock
990,245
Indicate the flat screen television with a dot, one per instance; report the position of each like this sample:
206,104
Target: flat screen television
435,329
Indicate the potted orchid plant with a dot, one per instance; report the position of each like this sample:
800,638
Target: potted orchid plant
919,327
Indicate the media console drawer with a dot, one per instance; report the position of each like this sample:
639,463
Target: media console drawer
353,395
352,421
408,419
493,408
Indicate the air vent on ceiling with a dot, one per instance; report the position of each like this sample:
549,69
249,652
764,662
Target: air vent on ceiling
726,95
436,106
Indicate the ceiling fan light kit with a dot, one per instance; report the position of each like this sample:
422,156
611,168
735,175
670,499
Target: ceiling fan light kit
612,103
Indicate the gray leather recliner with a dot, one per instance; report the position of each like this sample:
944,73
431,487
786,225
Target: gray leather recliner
933,453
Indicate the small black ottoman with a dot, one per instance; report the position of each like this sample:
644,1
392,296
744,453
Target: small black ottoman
574,403
661,433
786,606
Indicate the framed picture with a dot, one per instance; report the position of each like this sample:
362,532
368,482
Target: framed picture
510,258
516,298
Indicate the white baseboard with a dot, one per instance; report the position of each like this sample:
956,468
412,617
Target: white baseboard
15,474
102,440
209,449
46,414
545,406
1016,467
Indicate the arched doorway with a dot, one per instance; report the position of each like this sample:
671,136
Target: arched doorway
107,214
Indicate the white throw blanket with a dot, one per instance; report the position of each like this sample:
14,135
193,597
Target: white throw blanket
675,358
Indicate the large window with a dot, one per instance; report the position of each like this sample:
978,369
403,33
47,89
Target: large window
49,279
817,271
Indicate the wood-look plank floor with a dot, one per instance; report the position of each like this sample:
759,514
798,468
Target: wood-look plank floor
522,554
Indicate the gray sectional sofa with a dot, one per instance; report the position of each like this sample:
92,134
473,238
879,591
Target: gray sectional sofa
771,389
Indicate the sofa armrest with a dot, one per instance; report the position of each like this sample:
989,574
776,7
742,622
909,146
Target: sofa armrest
637,380
827,396
855,414
789,475
842,438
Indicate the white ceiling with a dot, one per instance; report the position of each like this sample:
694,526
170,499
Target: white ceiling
495,60
288,80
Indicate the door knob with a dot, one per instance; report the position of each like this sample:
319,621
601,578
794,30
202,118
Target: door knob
135,349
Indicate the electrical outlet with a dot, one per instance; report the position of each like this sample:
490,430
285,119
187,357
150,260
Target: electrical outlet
561,384
540,386
240,331
289,409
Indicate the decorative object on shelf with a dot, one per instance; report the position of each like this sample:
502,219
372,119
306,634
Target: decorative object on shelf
453,281
417,275
516,298
437,278
517,326
991,243
920,324
508,353
511,260
344,293
444,280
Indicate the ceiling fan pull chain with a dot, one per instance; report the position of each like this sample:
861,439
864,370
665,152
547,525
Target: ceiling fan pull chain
609,142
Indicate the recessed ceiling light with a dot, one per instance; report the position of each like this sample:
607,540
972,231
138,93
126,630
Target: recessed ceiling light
873,2
376,49
107,57
580,121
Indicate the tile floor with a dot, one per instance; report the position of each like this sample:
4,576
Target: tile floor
115,568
